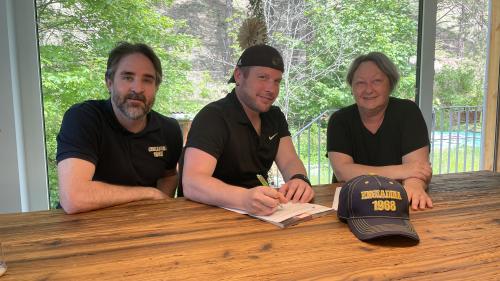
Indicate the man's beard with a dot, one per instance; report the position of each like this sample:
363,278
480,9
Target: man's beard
133,112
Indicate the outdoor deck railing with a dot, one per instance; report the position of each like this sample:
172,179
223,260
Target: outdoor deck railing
456,139
455,143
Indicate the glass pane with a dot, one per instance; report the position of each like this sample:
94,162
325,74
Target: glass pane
319,40
198,45
75,38
461,34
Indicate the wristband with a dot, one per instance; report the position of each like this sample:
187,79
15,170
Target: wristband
301,177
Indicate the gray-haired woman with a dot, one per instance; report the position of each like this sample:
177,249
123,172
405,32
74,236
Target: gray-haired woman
380,134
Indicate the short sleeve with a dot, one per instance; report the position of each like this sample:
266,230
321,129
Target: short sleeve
79,134
283,130
414,130
208,132
338,134
175,144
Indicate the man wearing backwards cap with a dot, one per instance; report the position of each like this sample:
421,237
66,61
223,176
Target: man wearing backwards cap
237,137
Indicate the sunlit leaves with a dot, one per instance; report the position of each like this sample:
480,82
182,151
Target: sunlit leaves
75,37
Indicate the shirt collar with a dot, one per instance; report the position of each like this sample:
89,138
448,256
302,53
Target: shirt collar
238,111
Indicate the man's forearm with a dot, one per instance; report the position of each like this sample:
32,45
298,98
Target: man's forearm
96,195
212,191
292,168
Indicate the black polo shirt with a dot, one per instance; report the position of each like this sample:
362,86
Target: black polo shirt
402,131
223,130
90,131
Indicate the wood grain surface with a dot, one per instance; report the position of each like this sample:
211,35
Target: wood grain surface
178,239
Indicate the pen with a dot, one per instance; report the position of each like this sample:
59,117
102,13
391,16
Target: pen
265,183
262,180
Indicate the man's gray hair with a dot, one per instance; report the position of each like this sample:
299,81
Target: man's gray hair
382,62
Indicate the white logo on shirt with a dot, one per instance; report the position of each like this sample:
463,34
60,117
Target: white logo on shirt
272,137
157,151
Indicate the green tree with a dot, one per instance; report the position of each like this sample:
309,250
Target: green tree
319,39
458,86
75,38
461,31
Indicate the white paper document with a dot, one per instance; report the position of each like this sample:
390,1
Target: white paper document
335,204
290,210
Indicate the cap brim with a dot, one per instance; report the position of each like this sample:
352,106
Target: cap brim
371,228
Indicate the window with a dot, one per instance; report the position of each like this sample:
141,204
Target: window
460,64
198,44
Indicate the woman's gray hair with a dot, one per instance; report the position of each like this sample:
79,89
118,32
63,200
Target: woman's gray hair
382,62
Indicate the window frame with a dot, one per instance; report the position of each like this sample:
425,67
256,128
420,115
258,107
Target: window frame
23,173
24,176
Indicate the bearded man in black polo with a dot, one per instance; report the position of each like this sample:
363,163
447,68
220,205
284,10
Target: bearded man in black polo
115,151
235,138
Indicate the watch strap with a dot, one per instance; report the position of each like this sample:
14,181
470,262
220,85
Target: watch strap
301,177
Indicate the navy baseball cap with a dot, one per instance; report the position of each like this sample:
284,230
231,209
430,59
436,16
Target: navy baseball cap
260,55
375,206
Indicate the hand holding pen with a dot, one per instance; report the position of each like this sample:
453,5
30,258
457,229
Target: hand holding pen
281,198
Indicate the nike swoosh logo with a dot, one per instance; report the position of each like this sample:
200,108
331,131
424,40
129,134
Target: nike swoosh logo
272,137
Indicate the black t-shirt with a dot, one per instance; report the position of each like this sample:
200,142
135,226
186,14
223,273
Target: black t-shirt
90,131
223,130
402,131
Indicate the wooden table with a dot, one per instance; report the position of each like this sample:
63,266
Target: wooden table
183,240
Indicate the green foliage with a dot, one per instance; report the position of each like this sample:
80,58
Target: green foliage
343,31
75,38
458,86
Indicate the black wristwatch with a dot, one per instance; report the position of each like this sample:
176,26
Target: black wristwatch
301,177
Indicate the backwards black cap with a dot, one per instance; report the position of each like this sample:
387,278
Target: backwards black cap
375,206
260,55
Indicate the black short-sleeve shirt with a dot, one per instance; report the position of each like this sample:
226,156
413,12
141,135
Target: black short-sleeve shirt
90,131
223,130
402,131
